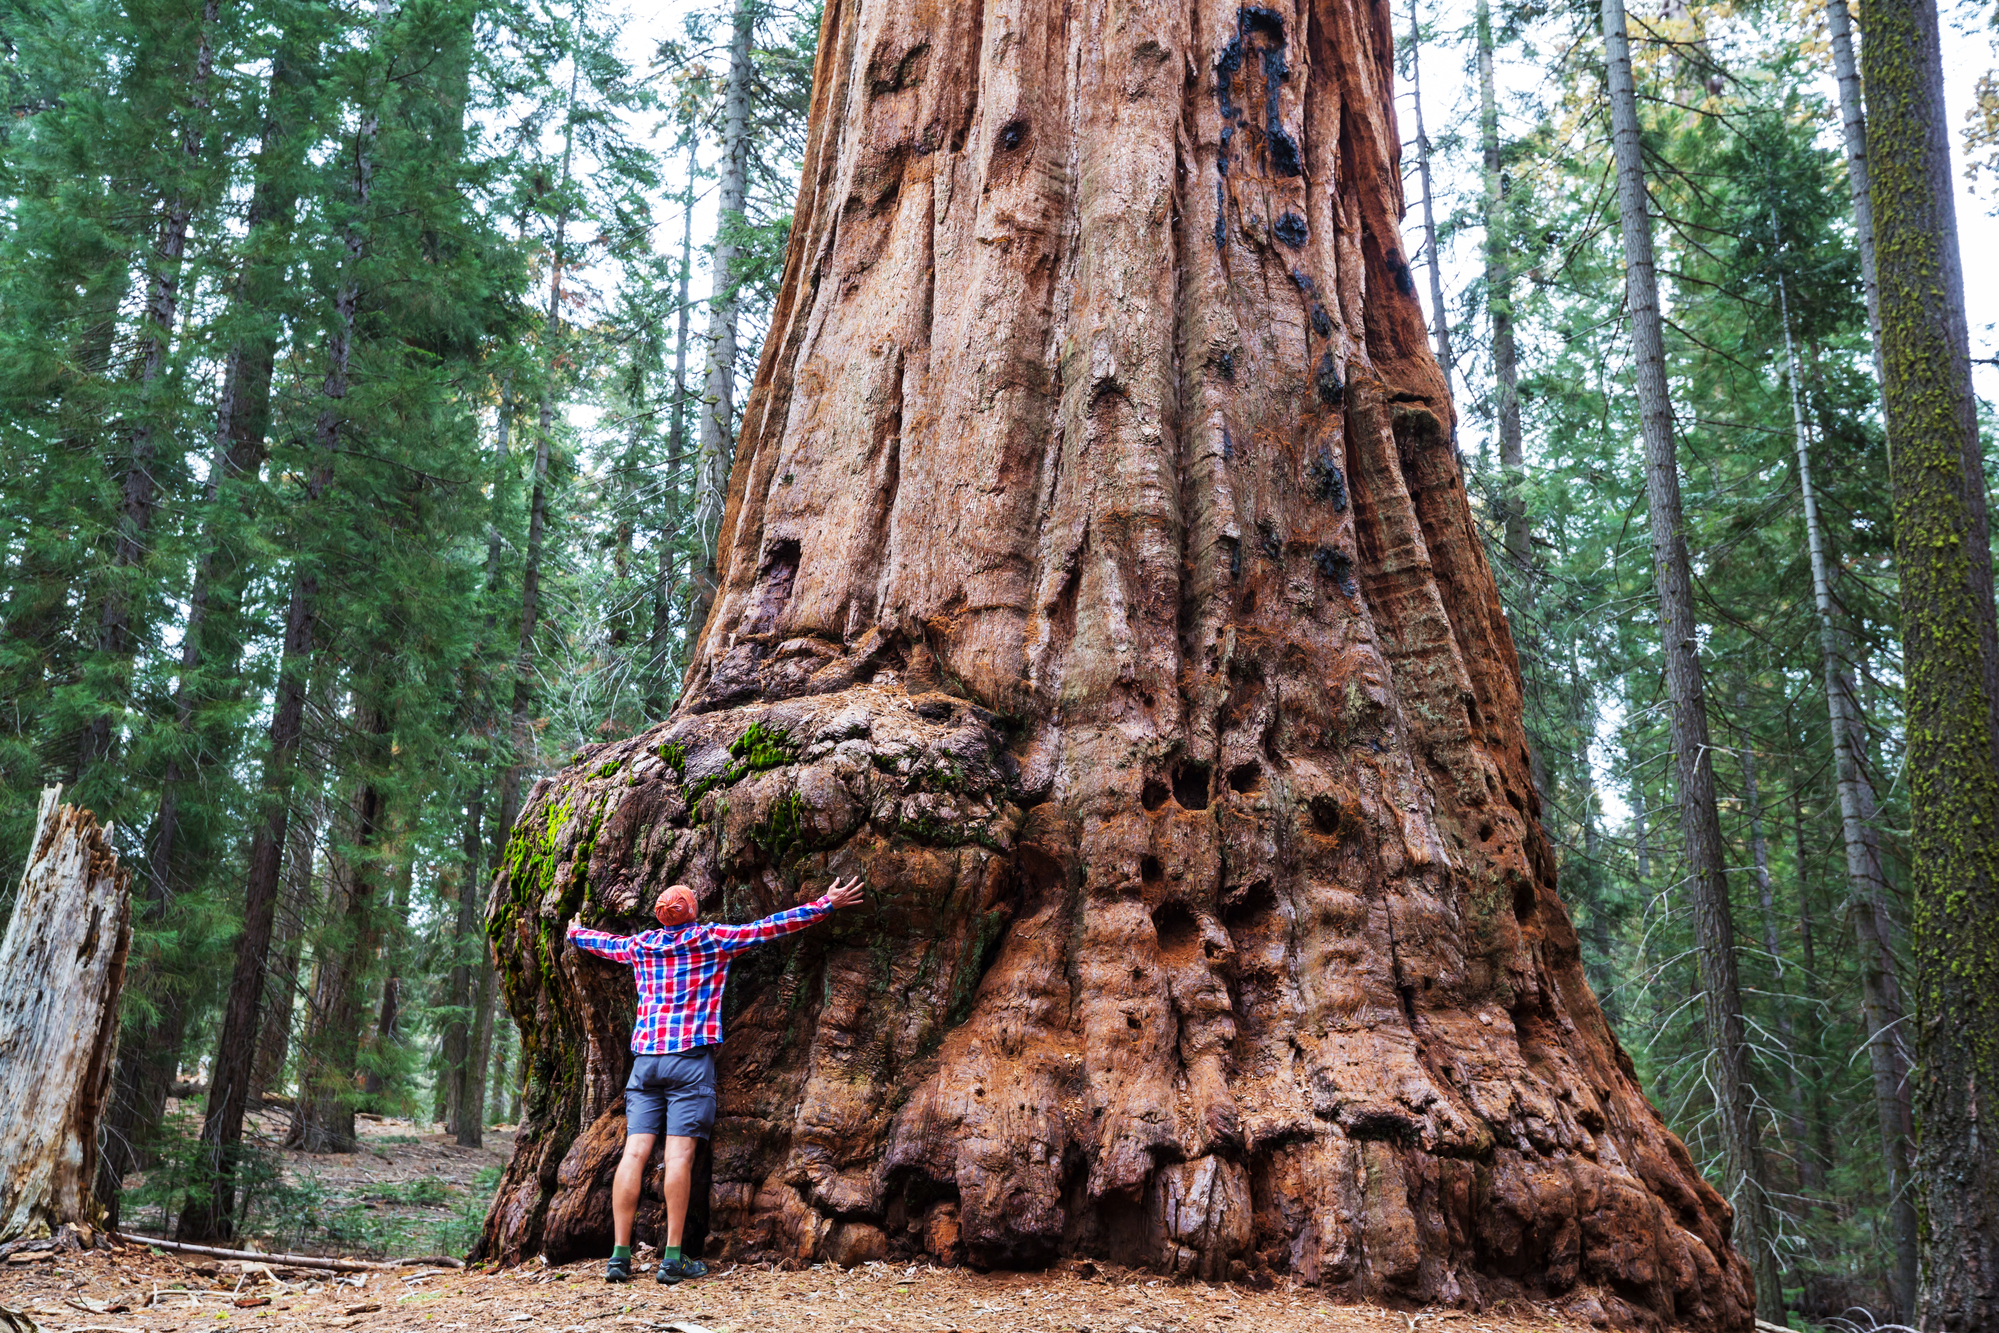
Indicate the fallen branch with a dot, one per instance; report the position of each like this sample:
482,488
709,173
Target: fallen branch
288,1260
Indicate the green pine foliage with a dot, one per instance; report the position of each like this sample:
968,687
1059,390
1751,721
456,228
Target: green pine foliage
290,297
1748,190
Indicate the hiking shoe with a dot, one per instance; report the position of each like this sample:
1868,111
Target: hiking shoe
618,1270
680,1270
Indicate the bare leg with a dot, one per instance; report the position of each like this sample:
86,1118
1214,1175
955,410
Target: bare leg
626,1184
679,1183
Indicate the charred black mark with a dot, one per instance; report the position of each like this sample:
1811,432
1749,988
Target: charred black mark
1322,323
907,72
1257,19
1290,229
1221,210
1225,367
1012,135
1235,558
1332,390
1273,545
1328,482
1226,65
1336,565
1303,282
1400,272
1284,159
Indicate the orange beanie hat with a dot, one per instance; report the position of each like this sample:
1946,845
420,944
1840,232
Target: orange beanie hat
676,907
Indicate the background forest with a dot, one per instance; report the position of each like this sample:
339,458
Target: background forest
368,376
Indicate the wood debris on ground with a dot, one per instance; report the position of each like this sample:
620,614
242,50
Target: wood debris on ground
134,1290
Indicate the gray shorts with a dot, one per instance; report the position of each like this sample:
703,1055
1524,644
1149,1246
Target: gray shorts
672,1094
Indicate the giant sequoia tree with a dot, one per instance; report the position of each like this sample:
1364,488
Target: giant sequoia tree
1097,580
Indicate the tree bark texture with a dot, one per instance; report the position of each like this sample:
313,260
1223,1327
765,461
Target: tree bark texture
64,963
1951,659
1097,581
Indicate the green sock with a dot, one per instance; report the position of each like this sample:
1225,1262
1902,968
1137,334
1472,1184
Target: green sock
670,1255
621,1251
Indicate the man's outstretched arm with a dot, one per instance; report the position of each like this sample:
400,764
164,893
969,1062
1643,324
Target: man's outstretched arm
617,948
776,926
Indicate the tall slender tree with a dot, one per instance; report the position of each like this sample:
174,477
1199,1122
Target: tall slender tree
1950,659
1700,821
718,397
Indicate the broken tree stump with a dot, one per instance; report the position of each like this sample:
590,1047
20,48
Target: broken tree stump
64,963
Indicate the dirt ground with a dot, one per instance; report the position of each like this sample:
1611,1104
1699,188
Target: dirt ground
145,1291
131,1289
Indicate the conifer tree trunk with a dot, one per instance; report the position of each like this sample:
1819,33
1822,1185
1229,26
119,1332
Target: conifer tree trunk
672,534
1853,131
1441,327
1880,989
718,396
457,1056
1097,581
211,643
523,697
1700,819
139,485
213,1218
281,983
329,1053
1950,652
1499,303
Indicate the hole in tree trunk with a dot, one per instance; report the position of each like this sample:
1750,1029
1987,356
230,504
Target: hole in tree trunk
1190,786
1250,906
1154,794
1150,870
1246,777
780,571
1179,933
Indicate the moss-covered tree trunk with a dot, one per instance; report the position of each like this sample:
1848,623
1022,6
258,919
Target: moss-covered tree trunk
1951,655
1097,581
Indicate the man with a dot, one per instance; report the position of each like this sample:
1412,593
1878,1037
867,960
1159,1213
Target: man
681,969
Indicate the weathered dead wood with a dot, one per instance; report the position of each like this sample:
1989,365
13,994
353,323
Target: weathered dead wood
319,1261
62,966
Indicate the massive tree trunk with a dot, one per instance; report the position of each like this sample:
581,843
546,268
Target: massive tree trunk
1097,580
1943,555
64,963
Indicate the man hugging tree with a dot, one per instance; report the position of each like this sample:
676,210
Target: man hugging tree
681,970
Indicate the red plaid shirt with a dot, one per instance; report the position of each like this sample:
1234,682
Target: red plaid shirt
681,973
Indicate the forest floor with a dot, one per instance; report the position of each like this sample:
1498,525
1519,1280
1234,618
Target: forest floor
410,1188
131,1290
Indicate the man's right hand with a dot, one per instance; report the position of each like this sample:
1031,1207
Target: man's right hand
844,895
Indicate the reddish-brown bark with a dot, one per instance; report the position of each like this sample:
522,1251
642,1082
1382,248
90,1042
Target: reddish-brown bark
1098,581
